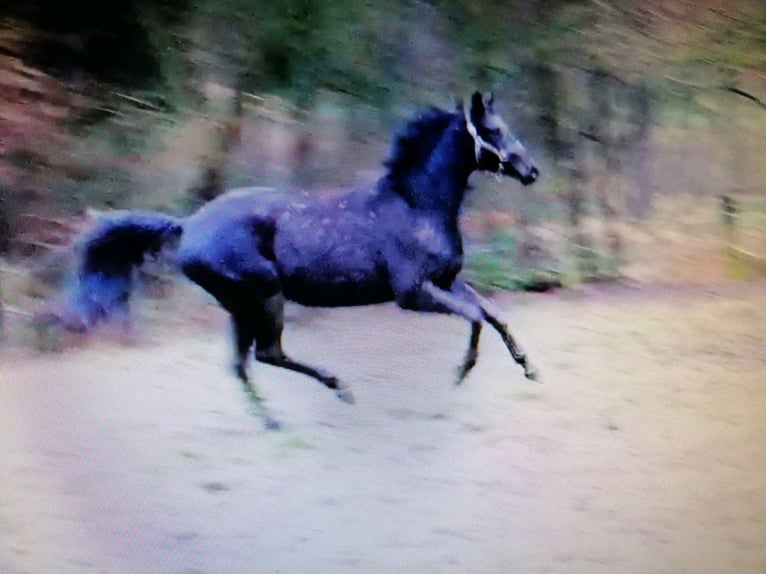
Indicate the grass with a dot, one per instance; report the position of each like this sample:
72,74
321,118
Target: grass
495,271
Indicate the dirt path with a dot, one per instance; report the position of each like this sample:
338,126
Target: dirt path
643,451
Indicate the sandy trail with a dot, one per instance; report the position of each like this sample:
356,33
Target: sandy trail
643,451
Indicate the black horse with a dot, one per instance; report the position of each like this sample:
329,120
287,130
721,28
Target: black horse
397,241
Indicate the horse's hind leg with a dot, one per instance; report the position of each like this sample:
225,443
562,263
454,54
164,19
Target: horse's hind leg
243,331
268,348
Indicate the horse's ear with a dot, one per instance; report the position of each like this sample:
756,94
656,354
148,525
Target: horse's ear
477,105
458,101
489,99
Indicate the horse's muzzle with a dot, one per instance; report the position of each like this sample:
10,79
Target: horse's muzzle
531,176
517,168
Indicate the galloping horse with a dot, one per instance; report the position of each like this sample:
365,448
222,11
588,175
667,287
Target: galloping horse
396,241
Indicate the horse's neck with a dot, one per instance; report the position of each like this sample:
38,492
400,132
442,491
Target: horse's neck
440,185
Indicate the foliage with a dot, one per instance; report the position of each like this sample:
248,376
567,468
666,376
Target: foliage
106,40
589,81
498,266
299,47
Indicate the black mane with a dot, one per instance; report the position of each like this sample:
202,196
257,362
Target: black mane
415,143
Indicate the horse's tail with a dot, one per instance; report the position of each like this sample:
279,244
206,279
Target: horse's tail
108,257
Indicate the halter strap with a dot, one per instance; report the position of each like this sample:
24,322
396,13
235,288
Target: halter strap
479,142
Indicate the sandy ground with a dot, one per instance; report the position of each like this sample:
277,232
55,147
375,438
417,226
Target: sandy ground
644,450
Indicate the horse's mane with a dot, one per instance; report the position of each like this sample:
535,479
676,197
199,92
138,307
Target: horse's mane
416,142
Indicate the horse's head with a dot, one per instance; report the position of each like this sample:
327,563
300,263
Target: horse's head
497,149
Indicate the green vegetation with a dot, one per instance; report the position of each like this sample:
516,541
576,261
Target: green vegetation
145,104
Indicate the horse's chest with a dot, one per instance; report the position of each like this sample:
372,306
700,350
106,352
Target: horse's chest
433,245
430,238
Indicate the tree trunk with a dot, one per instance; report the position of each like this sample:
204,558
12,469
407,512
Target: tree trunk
641,144
570,163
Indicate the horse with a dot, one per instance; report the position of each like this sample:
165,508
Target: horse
252,250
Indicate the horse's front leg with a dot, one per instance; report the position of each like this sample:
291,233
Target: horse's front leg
472,353
492,315
432,299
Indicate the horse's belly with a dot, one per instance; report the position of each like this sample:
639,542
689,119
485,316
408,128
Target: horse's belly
340,293
334,277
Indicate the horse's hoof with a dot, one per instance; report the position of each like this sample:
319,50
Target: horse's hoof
345,394
462,373
531,373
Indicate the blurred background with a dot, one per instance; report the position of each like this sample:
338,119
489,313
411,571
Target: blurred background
645,449
648,118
